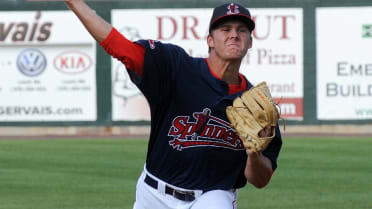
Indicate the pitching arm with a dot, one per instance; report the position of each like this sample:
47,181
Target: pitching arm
96,26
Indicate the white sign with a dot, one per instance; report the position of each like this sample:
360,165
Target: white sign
276,56
344,63
47,67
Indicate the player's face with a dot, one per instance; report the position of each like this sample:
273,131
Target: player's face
230,40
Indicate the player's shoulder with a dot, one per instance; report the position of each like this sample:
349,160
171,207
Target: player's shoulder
170,51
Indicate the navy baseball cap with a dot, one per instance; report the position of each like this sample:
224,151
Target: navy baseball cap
231,10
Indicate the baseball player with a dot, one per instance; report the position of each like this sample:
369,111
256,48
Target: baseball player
195,160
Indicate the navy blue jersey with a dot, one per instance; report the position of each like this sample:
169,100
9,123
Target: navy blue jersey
191,142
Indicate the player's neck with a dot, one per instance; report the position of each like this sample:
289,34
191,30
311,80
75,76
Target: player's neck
225,69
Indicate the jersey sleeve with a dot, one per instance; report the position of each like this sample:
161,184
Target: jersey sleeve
129,53
151,65
160,67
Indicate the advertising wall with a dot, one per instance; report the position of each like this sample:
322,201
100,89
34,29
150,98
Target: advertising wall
276,56
315,57
344,63
47,67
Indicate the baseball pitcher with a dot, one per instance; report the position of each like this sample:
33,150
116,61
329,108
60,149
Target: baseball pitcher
211,130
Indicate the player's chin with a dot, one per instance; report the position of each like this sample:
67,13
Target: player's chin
235,56
236,53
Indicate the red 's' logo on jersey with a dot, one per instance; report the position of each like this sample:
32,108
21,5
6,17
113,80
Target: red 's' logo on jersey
203,130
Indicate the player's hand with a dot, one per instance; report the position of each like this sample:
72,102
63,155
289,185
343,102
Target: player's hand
71,2
266,132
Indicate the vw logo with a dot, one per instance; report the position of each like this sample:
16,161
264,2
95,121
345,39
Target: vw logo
31,62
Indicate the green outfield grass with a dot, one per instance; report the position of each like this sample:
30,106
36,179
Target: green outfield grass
319,173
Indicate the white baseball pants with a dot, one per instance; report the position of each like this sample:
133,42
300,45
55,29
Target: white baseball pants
148,197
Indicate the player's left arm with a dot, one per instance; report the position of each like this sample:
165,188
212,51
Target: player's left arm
258,169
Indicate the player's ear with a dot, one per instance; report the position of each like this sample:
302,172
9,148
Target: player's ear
250,42
210,41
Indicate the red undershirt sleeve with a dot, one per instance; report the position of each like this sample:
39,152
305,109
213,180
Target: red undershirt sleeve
129,53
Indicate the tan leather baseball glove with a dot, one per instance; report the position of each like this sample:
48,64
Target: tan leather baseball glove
251,113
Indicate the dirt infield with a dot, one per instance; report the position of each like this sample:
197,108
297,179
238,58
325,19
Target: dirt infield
144,131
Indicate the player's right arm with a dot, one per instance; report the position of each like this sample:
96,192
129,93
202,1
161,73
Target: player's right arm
96,26
108,37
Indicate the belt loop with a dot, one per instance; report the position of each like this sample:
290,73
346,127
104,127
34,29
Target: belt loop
198,193
161,187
